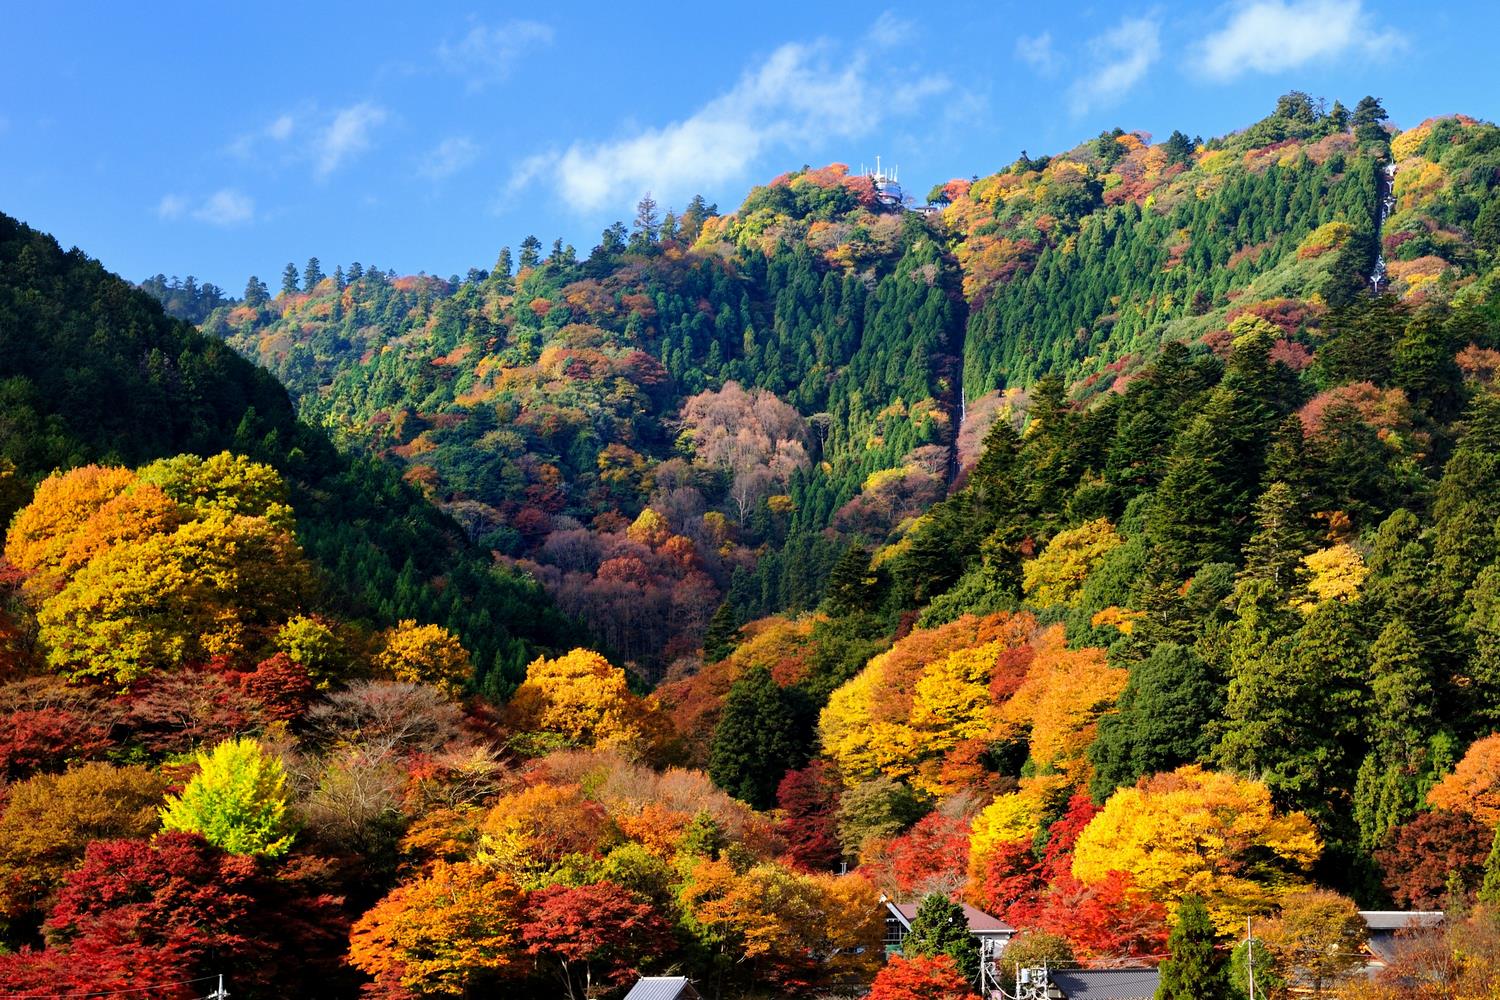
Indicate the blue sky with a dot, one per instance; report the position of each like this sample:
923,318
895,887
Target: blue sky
426,136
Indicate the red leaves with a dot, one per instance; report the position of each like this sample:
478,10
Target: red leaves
209,910
1419,857
921,978
809,802
597,933
44,739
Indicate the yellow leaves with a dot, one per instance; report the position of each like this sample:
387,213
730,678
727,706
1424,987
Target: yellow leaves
192,558
1057,575
424,654
586,700
1332,574
1198,832
649,528
1116,617
1328,236
1009,818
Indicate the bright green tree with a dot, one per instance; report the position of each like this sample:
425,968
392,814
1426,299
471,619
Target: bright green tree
237,800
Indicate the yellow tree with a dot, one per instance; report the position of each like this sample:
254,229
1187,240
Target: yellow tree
1197,832
216,586
59,514
585,700
1056,576
424,654
441,934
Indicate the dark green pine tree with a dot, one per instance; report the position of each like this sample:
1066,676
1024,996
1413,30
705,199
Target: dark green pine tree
851,585
722,634
756,741
1195,970
531,252
1467,503
312,274
1281,539
940,928
1163,719
1393,777
289,279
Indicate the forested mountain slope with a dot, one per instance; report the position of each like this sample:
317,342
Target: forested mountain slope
1121,561
547,408
92,371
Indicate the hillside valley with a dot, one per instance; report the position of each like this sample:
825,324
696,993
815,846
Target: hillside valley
1109,542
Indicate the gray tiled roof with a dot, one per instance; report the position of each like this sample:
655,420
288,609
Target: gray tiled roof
1107,984
1395,920
662,988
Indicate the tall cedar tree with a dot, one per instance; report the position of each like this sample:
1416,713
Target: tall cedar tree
1195,970
756,740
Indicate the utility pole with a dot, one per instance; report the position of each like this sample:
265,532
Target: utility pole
1250,955
220,993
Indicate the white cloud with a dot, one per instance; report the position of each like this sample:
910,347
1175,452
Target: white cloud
889,30
799,95
1122,56
486,54
448,158
1269,36
346,136
172,207
1036,51
281,128
225,208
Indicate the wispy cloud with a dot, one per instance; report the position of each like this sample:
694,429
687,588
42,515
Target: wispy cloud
326,139
1037,52
487,54
1121,57
448,158
1270,36
346,136
800,94
226,208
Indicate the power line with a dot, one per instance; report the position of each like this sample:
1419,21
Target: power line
90,994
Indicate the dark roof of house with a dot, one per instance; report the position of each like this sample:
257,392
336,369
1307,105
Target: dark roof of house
1107,984
1395,920
663,988
979,921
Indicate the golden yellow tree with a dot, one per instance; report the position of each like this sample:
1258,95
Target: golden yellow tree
1197,832
1056,576
424,654
584,699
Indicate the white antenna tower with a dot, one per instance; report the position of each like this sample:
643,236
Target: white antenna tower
220,993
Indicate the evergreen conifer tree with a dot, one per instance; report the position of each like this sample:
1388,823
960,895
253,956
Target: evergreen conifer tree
1194,971
756,741
940,928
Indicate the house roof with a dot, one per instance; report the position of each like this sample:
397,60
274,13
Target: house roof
979,921
663,988
1107,984
1395,920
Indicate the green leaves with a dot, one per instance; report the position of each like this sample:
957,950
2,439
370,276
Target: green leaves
237,801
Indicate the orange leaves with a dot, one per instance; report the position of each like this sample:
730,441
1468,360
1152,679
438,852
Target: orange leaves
1473,788
441,933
